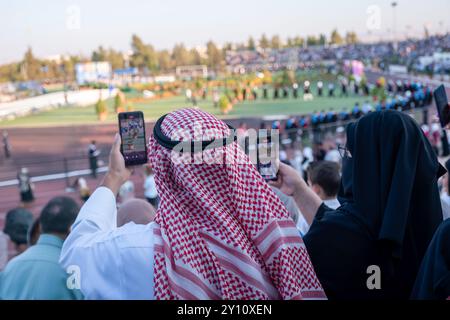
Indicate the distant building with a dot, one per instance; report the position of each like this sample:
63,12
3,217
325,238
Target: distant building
191,72
93,72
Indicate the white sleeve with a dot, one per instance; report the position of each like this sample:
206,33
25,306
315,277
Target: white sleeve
91,249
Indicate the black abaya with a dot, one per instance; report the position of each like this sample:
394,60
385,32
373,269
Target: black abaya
390,210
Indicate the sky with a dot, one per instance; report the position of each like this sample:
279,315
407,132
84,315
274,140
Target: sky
54,27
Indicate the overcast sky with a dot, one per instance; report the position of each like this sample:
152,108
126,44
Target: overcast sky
78,26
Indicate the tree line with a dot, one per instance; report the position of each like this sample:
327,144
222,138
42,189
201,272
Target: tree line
152,61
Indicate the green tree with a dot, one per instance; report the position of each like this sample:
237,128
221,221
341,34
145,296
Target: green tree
251,45
31,67
264,42
99,54
312,41
115,58
290,43
322,39
351,38
299,41
286,78
215,56
336,38
195,57
101,109
276,43
180,55
224,104
119,102
164,60
144,56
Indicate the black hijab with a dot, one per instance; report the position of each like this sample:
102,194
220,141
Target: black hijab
393,185
390,209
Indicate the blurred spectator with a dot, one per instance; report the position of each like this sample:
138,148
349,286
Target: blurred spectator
136,211
25,186
34,233
324,179
294,159
126,192
6,145
93,158
3,250
18,222
83,188
36,273
150,191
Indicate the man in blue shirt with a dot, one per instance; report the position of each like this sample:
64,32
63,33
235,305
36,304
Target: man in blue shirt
36,273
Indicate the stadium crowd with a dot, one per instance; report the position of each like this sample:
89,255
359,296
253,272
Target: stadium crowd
372,196
408,53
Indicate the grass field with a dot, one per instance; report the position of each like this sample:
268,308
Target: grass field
154,109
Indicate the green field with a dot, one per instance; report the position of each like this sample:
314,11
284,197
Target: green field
156,108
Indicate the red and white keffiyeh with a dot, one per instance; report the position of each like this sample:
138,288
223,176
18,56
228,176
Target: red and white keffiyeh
223,233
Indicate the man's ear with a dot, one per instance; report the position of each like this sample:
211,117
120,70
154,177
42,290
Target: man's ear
317,189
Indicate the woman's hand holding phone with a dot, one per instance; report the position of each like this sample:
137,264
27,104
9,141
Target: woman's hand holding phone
117,173
292,184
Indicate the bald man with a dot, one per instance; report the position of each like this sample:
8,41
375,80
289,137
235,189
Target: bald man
137,211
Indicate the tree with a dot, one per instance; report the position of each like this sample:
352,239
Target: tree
180,55
101,109
287,78
228,46
251,44
195,57
312,41
165,60
115,58
299,41
119,102
290,43
144,56
351,38
336,38
275,42
322,40
224,104
99,55
264,42
31,67
215,56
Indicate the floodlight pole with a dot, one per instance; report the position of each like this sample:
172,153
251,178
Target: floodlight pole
394,25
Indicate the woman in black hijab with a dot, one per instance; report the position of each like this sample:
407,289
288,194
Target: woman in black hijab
390,211
433,281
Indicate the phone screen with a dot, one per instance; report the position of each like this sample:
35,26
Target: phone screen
268,156
440,96
132,132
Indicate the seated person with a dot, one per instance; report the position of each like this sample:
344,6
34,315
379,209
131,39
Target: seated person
18,222
36,274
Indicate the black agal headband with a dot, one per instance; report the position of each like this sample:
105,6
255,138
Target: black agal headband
166,142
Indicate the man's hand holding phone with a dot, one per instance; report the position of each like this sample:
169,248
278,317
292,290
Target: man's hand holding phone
117,173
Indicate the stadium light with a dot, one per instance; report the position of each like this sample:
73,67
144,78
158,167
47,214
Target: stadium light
394,24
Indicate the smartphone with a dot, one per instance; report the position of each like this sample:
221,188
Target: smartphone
440,96
267,149
134,142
